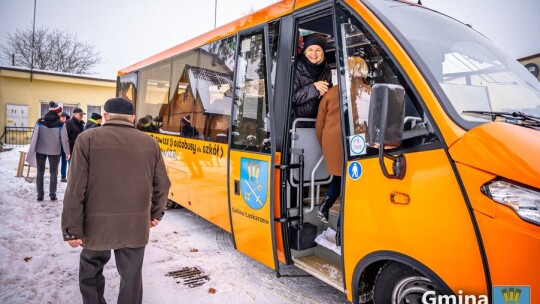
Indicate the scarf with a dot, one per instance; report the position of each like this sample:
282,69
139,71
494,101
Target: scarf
314,70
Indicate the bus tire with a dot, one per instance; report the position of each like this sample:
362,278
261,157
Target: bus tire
398,283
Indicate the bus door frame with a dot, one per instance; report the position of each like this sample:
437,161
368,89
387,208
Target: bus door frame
270,101
284,76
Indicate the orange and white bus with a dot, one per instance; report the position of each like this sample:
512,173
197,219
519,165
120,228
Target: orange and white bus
441,180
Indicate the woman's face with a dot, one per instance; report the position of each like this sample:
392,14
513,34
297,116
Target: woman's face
314,54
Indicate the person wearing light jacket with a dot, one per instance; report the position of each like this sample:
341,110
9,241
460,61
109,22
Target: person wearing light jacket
94,121
48,140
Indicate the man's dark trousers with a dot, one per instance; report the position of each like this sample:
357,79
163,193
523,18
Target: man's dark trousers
54,160
129,263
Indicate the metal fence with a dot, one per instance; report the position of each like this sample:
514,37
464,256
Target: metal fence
16,136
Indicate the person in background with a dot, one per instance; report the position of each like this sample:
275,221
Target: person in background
187,130
94,121
312,77
63,161
48,139
154,128
75,126
100,215
145,125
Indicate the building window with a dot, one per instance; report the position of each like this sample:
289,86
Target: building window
69,107
93,109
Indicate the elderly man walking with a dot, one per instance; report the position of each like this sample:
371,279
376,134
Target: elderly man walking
117,191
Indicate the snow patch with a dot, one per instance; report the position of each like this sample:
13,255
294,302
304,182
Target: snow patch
327,239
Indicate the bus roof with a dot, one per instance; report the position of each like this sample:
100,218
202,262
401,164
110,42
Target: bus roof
269,13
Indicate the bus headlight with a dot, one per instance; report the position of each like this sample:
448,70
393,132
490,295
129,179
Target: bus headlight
525,201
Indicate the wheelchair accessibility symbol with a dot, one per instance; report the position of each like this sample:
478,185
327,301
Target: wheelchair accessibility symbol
254,182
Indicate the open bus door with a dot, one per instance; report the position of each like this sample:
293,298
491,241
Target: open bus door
251,157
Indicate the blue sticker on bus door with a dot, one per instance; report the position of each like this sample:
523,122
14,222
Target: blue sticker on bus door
355,170
254,182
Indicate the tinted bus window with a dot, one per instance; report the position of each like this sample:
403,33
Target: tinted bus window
367,63
127,87
251,129
181,101
212,83
153,90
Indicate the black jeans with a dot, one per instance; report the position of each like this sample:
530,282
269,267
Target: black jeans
129,263
54,160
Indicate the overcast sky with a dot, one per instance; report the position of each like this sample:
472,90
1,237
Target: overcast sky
127,31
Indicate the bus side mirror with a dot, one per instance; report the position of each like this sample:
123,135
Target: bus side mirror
385,127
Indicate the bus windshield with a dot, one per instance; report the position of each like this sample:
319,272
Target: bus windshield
481,83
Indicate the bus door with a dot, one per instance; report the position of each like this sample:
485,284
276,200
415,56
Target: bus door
251,173
405,212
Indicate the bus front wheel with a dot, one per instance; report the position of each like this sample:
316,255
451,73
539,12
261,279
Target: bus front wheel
398,284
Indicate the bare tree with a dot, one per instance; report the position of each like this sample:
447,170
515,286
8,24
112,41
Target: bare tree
53,50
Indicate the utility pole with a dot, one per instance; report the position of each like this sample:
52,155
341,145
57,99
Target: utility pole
33,46
215,12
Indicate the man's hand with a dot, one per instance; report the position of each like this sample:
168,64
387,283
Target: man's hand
75,243
68,156
154,223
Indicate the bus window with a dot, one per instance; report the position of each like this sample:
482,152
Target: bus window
179,104
251,129
202,90
212,83
367,63
153,90
127,87
273,39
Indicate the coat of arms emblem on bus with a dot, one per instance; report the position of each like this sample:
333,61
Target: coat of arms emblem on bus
254,182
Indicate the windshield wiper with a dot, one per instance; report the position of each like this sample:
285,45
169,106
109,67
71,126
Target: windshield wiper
518,118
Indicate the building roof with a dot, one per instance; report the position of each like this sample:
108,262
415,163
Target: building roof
53,73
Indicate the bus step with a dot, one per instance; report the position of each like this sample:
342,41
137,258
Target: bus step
326,271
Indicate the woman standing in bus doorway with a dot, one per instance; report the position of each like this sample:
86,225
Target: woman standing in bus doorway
328,129
312,77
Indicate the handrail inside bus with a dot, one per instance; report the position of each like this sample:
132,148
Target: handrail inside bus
312,186
312,183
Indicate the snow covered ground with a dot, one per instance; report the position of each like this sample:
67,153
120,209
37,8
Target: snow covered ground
37,266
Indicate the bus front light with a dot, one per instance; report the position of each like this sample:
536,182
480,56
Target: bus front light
524,201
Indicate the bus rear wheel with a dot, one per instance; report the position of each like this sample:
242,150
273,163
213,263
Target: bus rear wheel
400,284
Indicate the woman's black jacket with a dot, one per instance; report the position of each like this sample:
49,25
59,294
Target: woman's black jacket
305,102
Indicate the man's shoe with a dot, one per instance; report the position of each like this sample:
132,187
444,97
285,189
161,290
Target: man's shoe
39,198
324,210
53,197
63,180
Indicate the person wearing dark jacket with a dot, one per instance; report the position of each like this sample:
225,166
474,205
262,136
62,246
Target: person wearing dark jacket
114,211
145,125
75,126
187,129
94,121
63,162
312,77
48,140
